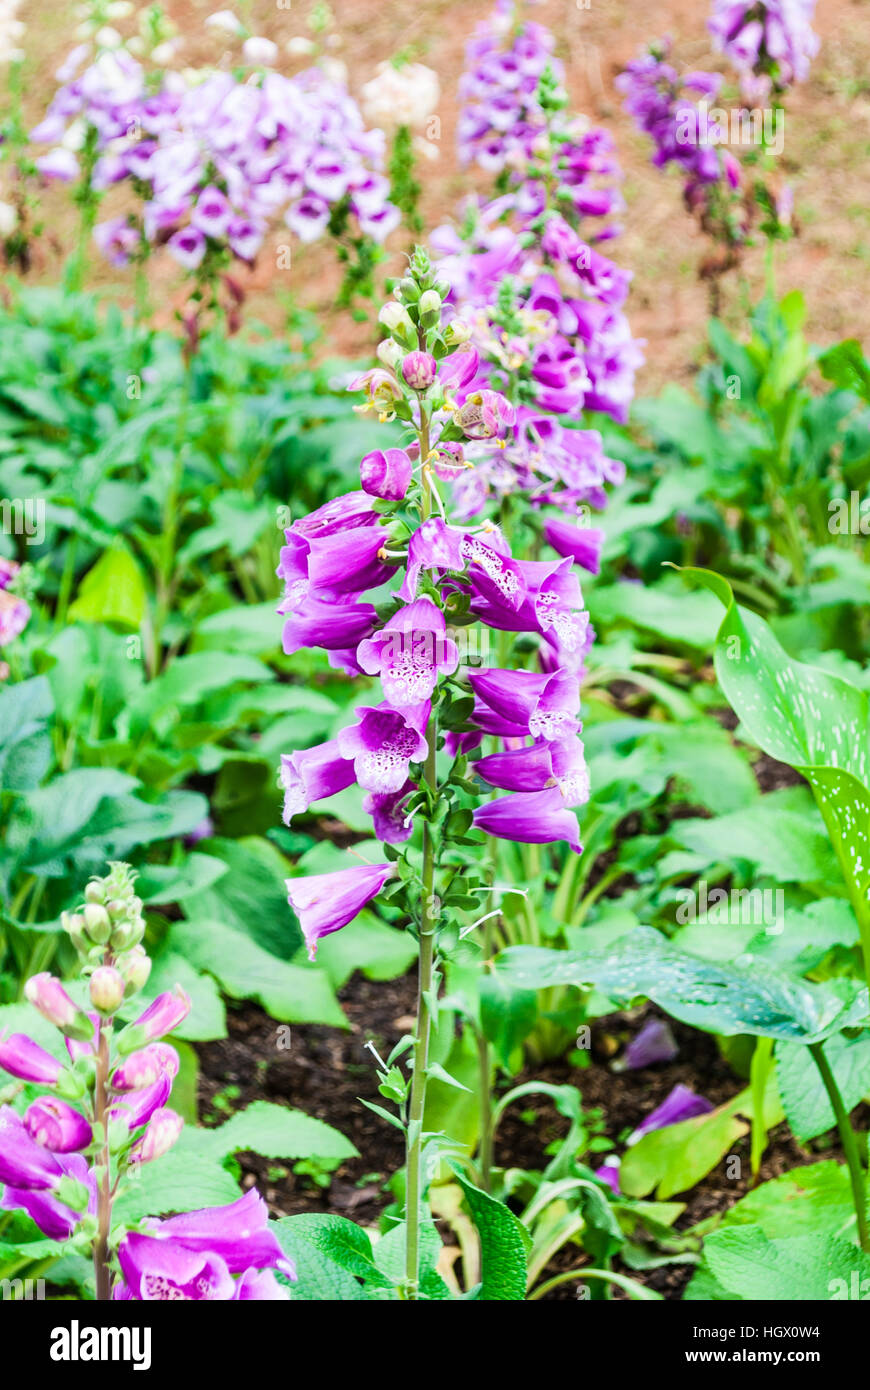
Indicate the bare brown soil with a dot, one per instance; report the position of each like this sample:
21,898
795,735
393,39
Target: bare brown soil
825,158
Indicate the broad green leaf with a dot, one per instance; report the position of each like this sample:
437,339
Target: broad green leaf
182,1180
318,1278
814,1200
343,1242
507,1014
787,844
807,717
801,1268
716,996
290,993
389,1254
113,591
502,1244
367,944
274,1131
805,1100
257,874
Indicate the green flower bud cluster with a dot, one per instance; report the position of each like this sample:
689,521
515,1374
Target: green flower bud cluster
107,932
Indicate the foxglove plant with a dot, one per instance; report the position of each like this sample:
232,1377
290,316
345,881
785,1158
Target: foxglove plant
665,106
216,161
412,751
543,302
771,43
67,1157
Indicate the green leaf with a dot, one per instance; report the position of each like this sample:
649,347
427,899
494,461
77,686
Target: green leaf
502,1244
343,1242
290,993
113,591
804,1098
804,716
507,1015
716,996
367,944
675,1158
273,1131
318,1278
802,1268
182,1180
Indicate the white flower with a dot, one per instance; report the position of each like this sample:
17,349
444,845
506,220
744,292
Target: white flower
335,70
164,53
107,37
300,47
400,96
73,137
8,220
225,22
260,53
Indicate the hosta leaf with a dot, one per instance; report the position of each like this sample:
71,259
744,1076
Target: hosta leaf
807,717
716,996
807,1107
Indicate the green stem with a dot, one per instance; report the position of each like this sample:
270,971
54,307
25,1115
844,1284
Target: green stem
428,926
848,1140
759,1072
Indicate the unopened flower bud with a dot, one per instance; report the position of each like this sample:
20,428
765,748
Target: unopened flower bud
107,989
95,892
117,909
386,473
163,1130
48,995
398,322
419,370
97,923
430,309
127,934
457,333
57,1126
390,353
135,969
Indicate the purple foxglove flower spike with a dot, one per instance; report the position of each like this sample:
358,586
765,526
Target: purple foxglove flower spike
57,1126
536,818
409,653
384,743
312,775
325,903
20,1056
